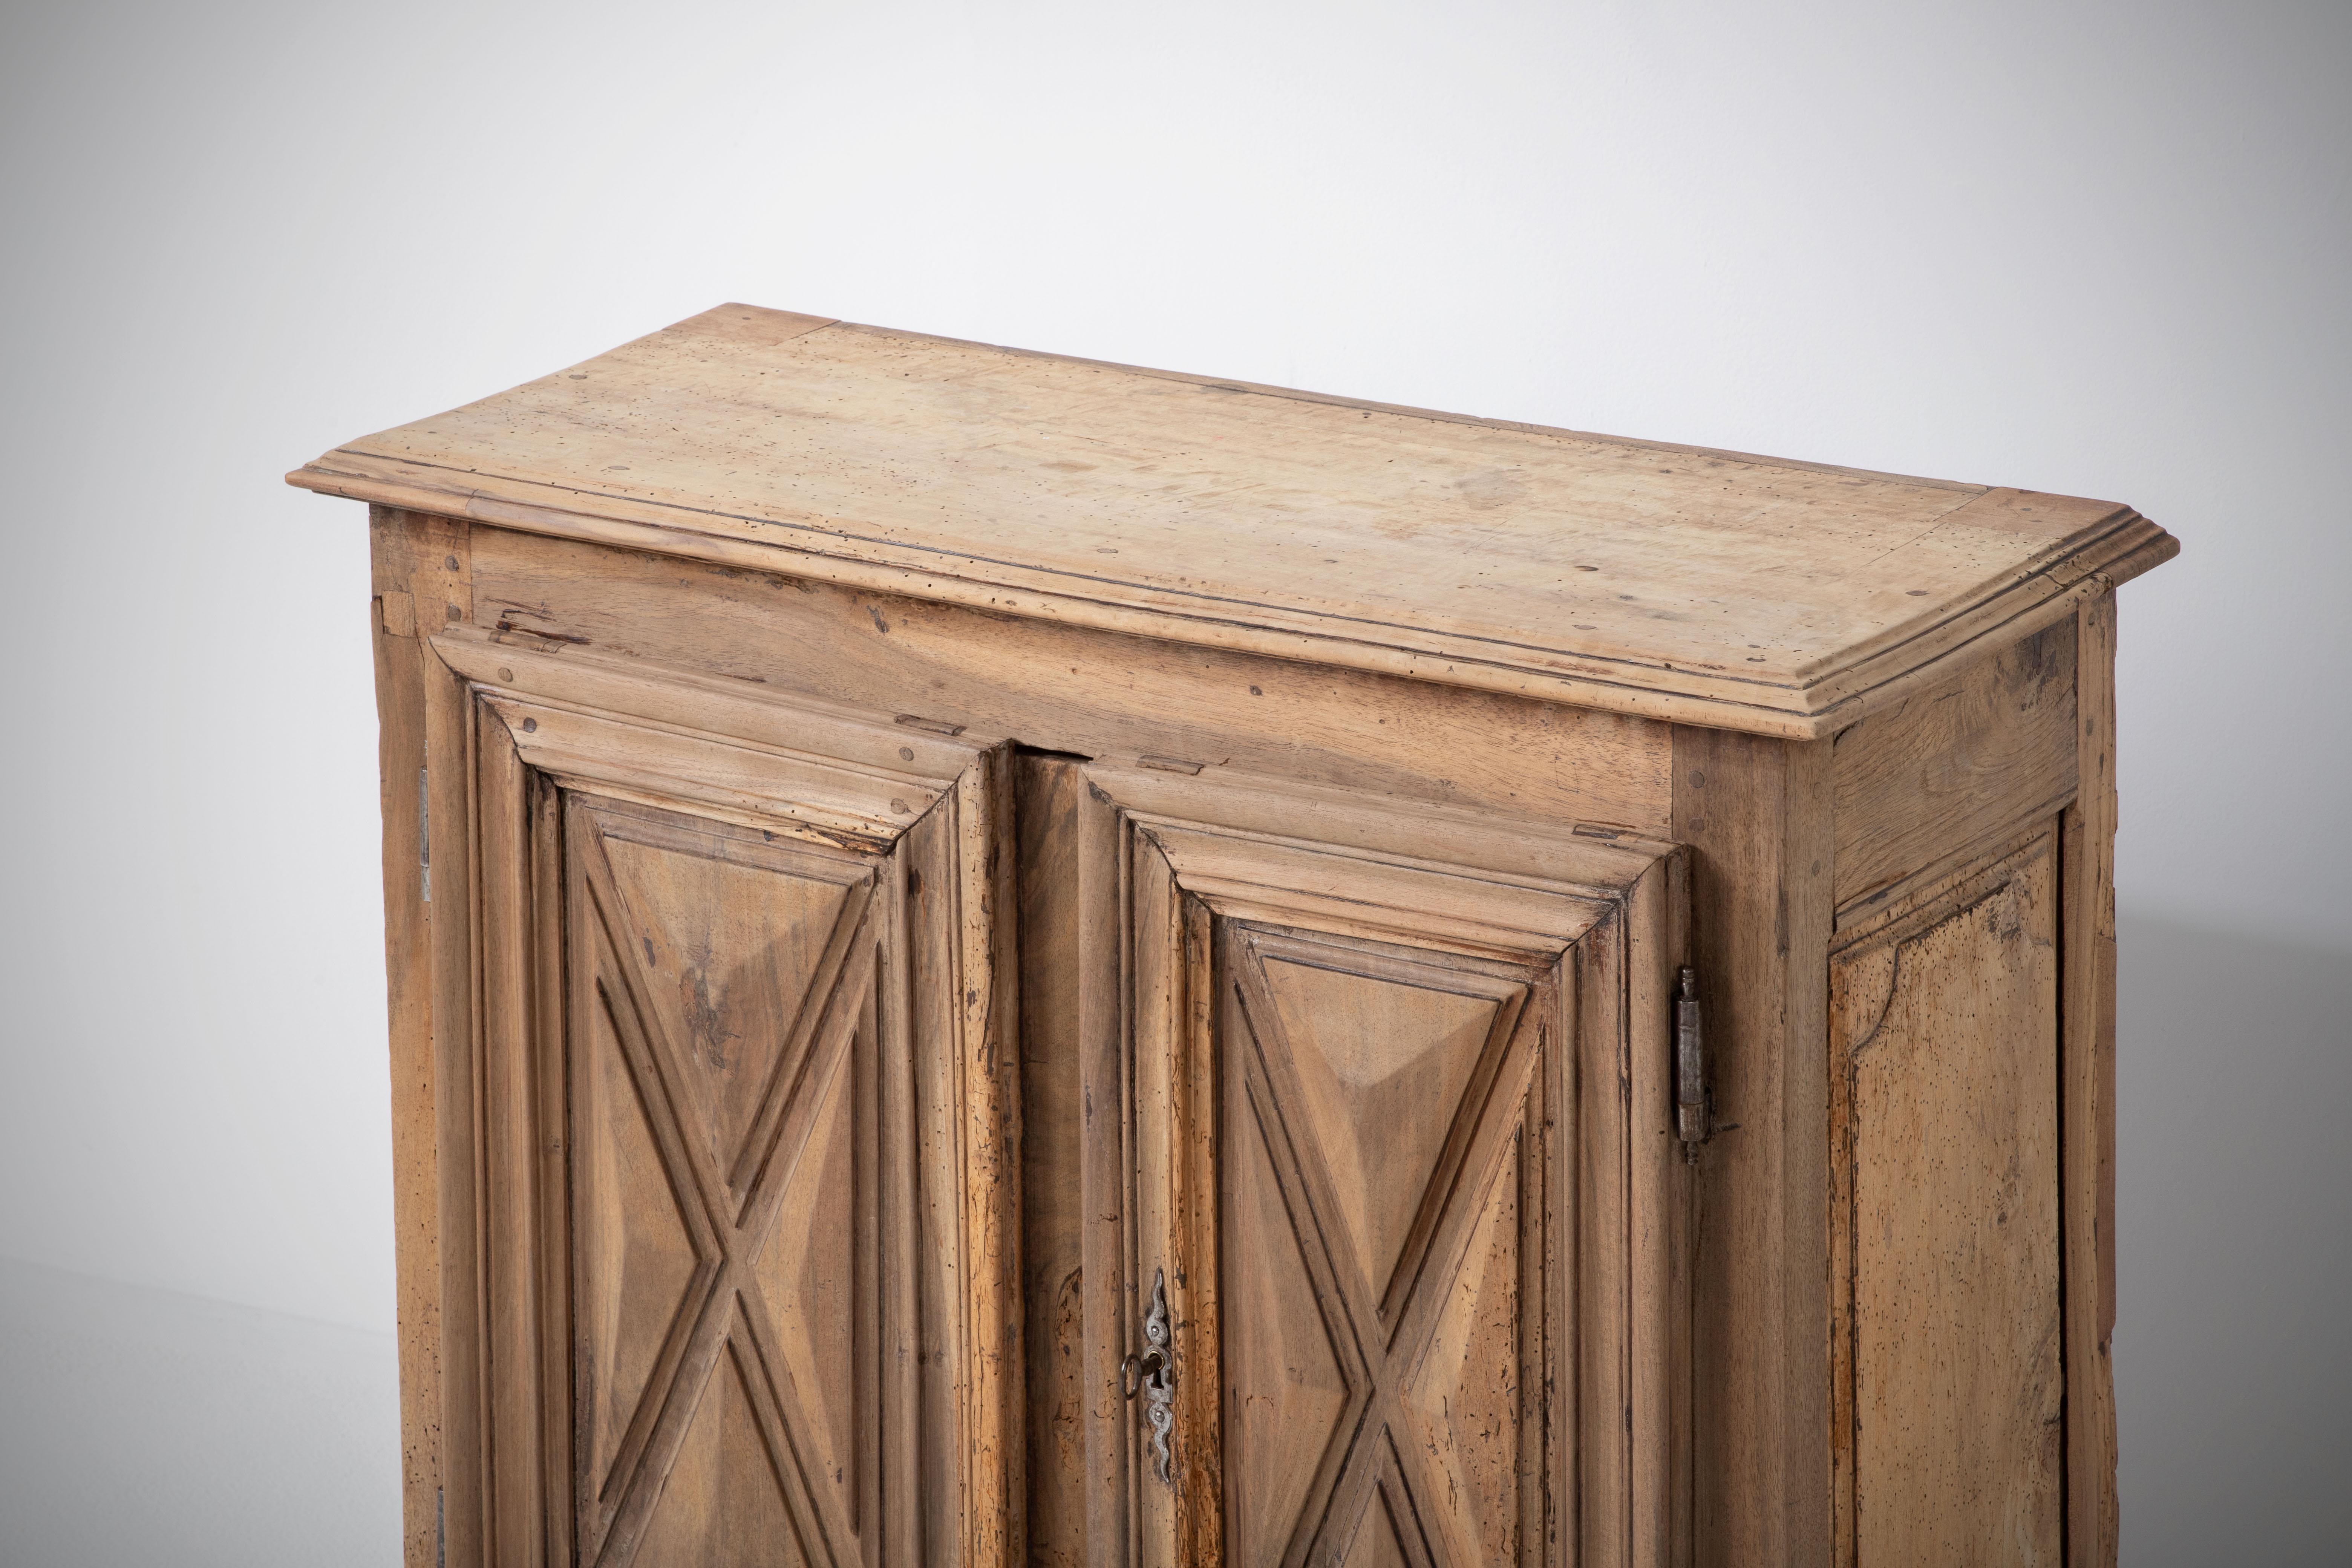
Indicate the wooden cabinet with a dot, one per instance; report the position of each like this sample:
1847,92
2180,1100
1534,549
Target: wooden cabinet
1001,960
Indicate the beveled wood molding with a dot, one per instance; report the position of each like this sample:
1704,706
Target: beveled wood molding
778,765
1566,949
2114,550
1057,488
570,755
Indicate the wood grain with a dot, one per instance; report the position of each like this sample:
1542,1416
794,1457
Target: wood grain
2088,1098
747,1096
1112,1307
893,847
401,553
995,1396
1160,1113
1378,1145
1699,585
1052,1129
445,584
1953,767
1944,1035
1061,689
1659,1189
1757,816
521,1517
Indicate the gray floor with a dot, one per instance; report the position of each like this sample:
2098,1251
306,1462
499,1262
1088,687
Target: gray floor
139,1427
2233,1333
144,1427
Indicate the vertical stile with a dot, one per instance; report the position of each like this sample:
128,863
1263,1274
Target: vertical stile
1155,995
517,1536
1104,1175
1656,1196
550,1146
2086,1095
1604,1268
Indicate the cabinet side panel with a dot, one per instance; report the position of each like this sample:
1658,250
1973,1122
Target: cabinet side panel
1962,762
2087,1096
1945,1030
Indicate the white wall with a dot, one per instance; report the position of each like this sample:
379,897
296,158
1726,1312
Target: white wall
2099,249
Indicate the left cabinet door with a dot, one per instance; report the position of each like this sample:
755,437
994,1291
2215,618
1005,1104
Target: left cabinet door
735,1288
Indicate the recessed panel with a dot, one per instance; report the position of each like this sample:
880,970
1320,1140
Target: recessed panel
1949,1041
816,1287
1389,1086
728,1035
1381,1069
1463,1411
722,1503
1377,1543
730,953
637,1256
1288,1389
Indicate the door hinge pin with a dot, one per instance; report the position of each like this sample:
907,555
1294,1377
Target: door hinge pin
1694,1112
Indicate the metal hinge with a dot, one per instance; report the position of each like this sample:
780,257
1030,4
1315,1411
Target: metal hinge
1695,1121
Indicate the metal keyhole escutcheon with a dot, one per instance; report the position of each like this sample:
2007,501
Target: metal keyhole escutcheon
1153,1375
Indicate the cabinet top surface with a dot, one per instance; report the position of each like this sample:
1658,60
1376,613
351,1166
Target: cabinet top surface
1711,588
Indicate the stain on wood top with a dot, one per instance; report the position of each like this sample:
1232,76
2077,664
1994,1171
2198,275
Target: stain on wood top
1711,588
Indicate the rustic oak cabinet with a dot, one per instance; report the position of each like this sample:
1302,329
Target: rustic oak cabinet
997,959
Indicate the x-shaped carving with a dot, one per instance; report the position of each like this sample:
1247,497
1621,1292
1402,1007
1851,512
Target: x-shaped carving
729,1216
1380,1330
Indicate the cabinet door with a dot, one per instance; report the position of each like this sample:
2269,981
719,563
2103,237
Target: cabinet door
741,1126
1380,1262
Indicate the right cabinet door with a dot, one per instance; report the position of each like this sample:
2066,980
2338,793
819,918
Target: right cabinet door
1382,1251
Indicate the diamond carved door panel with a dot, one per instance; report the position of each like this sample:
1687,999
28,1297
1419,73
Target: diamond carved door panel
724,1042
1396,1148
744,1126
1386,1116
